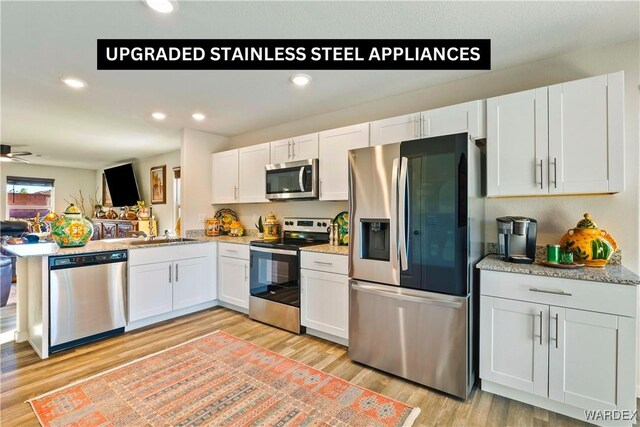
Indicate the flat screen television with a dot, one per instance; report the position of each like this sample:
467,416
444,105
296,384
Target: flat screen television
123,185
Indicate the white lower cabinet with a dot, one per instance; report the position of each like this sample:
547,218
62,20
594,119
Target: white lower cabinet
167,279
324,299
150,290
325,302
571,347
233,275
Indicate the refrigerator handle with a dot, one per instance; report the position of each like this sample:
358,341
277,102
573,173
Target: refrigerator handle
402,226
352,205
395,249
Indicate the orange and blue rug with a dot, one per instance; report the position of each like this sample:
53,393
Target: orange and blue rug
218,380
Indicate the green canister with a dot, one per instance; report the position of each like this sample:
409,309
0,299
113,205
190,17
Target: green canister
553,253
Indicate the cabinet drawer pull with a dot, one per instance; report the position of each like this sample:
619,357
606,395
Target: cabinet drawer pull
323,263
544,291
232,250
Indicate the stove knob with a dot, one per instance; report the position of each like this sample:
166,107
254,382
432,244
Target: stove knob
324,224
288,223
319,225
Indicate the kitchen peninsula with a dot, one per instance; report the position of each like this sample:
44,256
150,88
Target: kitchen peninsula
153,268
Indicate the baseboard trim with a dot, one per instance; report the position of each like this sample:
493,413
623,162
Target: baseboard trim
170,315
545,403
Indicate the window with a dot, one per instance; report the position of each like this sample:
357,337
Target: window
26,197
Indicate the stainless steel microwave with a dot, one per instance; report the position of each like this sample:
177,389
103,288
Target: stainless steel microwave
292,180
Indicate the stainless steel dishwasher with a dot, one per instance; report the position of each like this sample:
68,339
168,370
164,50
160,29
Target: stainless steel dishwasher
87,298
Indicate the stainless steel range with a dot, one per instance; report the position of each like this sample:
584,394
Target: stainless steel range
275,272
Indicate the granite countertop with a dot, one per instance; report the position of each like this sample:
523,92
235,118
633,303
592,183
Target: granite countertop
609,274
51,249
242,240
327,249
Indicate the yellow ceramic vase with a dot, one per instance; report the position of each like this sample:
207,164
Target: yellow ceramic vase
589,244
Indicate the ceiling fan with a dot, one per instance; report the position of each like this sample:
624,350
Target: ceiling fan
7,156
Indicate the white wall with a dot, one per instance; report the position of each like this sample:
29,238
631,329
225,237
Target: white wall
195,161
68,182
163,213
619,213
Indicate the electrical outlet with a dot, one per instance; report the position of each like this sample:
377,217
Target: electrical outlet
202,217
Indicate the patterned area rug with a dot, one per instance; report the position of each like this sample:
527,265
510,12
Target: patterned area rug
218,380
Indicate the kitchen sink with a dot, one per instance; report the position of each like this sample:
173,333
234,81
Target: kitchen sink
160,241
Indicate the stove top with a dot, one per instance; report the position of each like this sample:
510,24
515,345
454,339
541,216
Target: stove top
299,232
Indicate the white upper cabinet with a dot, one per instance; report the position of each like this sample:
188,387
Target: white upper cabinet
586,135
298,148
563,139
251,181
465,117
224,177
517,144
395,129
334,166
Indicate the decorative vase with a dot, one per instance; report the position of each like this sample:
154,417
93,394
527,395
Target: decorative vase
71,229
589,244
271,227
212,227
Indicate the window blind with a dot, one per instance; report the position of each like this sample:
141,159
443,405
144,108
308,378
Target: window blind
23,180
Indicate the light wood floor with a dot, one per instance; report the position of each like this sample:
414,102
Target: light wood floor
25,376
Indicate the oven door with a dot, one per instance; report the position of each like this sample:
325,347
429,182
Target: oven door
275,275
292,180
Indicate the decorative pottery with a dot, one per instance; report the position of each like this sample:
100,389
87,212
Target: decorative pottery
212,227
589,244
71,229
236,229
226,217
271,227
342,220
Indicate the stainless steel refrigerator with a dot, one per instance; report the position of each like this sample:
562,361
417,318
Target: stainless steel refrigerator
416,214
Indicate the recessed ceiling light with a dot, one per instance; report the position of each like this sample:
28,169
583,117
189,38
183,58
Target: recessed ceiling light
198,116
73,82
162,6
300,79
159,115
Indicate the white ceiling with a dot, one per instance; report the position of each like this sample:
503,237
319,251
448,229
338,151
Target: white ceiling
109,121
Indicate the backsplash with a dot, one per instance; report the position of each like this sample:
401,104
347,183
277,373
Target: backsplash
248,213
541,253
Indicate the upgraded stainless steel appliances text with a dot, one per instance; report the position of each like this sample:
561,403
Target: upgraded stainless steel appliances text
416,216
292,180
275,272
86,297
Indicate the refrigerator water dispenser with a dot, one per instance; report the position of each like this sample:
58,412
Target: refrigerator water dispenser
375,239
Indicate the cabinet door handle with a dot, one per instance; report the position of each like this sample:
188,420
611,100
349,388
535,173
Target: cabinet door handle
293,149
246,276
422,131
288,149
544,291
556,339
540,327
169,273
416,125
235,192
540,166
176,272
320,188
555,172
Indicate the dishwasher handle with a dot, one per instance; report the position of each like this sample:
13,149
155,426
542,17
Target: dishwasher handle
402,297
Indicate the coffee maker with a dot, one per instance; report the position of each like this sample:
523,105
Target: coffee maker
517,239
